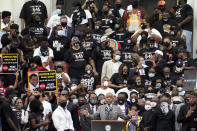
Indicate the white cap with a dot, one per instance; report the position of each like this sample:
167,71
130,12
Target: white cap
104,38
158,52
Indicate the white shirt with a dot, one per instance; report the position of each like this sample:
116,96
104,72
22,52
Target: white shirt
47,108
32,87
121,12
55,20
122,107
94,108
3,25
37,52
154,31
104,91
126,90
62,119
88,16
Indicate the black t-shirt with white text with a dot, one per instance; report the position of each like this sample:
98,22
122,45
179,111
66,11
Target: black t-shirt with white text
89,45
6,112
59,47
100,55
182,13
90,82
77,60
30,9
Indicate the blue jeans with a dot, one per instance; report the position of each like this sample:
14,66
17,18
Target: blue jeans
188,35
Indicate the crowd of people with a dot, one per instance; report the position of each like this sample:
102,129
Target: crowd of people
112,63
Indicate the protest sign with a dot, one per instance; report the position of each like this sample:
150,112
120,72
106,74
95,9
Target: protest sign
45,80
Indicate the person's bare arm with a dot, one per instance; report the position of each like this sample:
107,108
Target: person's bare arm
90,23
94,67
136,35
4,51
65,79
16,80
11,124
157,37
185,21
22,24
115,86
35,126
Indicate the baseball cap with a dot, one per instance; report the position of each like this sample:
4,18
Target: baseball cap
158,52
104,38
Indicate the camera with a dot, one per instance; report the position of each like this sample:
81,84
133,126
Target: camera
78,16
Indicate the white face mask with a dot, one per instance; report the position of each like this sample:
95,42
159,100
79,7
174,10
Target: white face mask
179,69
73,87
180,89
147,107
153,104
164,107
105,84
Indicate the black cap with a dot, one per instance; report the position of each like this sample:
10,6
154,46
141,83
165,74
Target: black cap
10,91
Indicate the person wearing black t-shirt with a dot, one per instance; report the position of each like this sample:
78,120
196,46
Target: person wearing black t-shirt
89,44
97,33
76,58
108,19
158,62
121,33
126,53
37,28
119,80
101,54
188,114
164,26
30,8
170,54
89,80
188,63
59,44
184,17
148,51
8,117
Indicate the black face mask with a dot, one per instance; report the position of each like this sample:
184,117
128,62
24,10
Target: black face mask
81,103
63,104
121,101
105,12
118,6
37,96
138,83
166,44
64,24
143,26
